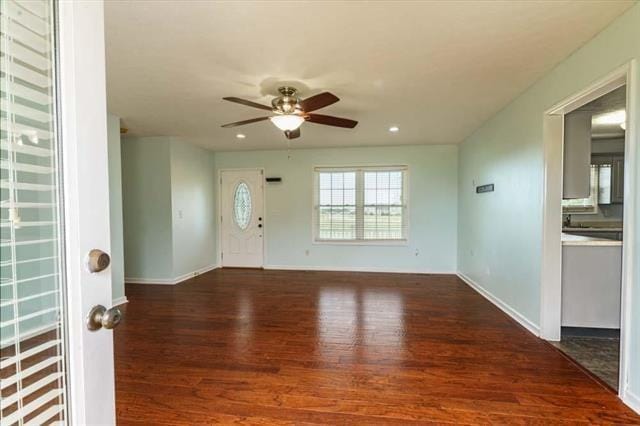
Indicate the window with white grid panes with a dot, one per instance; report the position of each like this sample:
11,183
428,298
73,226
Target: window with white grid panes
360,204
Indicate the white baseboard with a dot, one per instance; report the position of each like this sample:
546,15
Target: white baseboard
119,301
170,281
356,269
160,281
631,400
195,273
504,307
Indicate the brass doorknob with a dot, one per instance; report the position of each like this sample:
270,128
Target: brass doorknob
101,317
97,261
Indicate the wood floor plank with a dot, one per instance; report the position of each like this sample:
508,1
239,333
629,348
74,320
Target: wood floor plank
292,347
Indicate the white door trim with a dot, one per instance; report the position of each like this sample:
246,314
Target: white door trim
219,212
551,280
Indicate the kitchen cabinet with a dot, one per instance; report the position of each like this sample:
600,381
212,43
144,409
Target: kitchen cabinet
591,284
577,155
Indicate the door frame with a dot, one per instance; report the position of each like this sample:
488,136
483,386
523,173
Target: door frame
219,211
81,129
551,276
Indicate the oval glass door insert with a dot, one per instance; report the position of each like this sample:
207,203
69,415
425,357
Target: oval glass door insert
242,206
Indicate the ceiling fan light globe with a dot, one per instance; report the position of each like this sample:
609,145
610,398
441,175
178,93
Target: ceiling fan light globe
288,122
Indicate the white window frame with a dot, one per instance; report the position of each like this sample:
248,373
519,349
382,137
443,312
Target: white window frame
316,170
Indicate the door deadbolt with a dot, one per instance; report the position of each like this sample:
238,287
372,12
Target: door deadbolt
97,261
101,317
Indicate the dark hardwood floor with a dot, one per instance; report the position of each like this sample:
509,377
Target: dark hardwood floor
276,347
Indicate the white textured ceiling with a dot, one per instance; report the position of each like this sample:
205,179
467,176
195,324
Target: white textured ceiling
435,69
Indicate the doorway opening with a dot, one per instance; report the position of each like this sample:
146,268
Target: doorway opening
592,227
588,213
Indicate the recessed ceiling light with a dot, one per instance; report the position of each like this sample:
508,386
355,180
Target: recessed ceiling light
394,129
241,136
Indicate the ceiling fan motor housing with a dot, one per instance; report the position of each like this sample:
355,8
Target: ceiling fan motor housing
288,103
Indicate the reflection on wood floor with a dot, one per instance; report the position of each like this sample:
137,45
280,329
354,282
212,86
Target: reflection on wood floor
273,347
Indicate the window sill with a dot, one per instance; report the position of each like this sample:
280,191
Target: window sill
402,242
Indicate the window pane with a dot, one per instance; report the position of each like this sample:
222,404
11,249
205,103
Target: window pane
382,191
395,180
337,180
325,197
336,223
349,223
324,222
395,222
383,180
369,222
350,197
325,180
395,196
337,198
369,196
369,180
382,196
604,184
350,180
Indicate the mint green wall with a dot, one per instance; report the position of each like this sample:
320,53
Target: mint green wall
500,233
115,207
146,193
288,218
164,179
193,186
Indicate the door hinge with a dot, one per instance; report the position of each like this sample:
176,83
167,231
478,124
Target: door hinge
221,255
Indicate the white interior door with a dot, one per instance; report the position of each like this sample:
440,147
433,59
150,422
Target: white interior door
55,209
242,218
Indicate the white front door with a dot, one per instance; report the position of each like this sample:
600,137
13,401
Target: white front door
242,218
54,211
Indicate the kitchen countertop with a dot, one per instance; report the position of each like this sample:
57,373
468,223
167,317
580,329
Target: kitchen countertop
579,240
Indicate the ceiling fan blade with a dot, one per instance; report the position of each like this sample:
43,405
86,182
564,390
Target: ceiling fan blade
331,121
318,101
242,123
248,103
292,134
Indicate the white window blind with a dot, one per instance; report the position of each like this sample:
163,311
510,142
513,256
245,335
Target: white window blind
32,363
364,204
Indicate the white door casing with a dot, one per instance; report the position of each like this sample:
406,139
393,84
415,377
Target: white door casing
551,312
242,218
